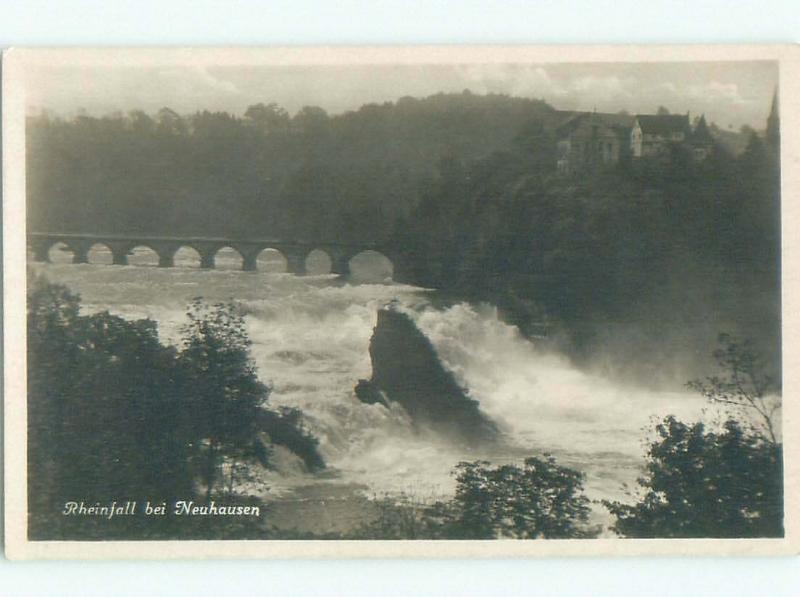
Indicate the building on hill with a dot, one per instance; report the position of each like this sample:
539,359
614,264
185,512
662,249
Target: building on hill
656,135
653,135
587,140
591,139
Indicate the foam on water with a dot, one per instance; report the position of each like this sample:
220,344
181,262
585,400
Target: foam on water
310,342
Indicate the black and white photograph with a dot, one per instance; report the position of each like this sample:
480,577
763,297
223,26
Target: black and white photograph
375,297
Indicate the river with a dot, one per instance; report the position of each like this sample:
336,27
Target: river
310,342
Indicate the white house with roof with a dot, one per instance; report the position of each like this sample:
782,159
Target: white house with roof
653,134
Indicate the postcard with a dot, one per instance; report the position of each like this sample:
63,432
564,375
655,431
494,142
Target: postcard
419,302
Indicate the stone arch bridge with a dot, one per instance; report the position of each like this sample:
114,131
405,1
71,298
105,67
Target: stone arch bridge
295,252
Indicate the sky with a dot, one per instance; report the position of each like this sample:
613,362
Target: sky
731,94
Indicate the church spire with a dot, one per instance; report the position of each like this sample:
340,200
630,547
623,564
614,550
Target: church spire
774,123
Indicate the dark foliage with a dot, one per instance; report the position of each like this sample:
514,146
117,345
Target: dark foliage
267,174
103,409
115,415
222,390
539,500
728,483
611,257
706,484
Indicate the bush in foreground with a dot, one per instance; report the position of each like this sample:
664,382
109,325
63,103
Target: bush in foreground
726,483
538,500
706,484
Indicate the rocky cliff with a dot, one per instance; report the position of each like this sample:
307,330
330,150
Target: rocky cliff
407,370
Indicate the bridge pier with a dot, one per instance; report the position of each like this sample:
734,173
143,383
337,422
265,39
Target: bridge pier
80,254
119,252
207,260
41,252
340,264
166,252
166,258
295,262
249,262
404,271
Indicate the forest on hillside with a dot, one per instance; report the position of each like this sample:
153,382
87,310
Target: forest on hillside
265,174
644,262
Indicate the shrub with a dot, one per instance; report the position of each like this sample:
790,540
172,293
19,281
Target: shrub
706,484
539,500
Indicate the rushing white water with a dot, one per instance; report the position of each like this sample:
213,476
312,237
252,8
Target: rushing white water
310,342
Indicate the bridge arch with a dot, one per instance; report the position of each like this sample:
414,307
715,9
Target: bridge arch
143,255
60,252
185,256
318,262
271,260
371,266
100,253
294,256
227,257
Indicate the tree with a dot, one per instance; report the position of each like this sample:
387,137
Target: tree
141,122
225,392
540,500
311,120
726,483
269,118
706,484
170,122
539,146
114,414
104,410
744,387
229,417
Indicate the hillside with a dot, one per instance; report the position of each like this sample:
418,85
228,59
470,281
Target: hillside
262,174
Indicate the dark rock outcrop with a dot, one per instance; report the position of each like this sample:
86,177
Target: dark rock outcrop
369,393
407,370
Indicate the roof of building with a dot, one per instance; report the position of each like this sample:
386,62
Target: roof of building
620,120
663,124
572,120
